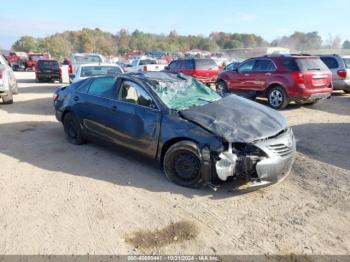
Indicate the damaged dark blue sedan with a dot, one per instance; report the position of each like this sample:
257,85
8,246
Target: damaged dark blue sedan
197,136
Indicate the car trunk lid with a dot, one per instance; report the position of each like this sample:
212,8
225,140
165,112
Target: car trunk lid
314,72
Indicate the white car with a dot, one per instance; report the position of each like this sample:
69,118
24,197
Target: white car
89,70
8,83
144,64
86,58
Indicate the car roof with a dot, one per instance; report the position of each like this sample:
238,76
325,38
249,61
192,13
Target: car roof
47,60
99,64
278,56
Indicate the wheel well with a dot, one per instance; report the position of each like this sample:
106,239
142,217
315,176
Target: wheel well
272,86
171,142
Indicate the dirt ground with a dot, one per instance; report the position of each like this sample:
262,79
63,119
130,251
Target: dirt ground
57,198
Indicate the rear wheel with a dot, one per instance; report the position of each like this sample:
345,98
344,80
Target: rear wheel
277,97
182,164
347,91
8,99
72,130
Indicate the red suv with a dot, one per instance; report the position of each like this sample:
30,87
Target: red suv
281,79
203,69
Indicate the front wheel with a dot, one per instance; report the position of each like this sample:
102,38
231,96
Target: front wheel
222,87
72,130
8,99
277,97
182,164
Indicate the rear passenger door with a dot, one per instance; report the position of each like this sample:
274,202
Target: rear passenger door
262,72
94,105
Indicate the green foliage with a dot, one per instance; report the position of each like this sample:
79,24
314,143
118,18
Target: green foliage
300,41
26,44
346,44
94,40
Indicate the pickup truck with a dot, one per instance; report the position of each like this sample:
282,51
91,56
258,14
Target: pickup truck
145,64
17,60
33,59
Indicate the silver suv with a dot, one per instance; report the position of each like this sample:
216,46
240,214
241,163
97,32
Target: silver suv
8,83
340,67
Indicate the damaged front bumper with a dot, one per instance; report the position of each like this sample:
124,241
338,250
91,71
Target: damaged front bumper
270,163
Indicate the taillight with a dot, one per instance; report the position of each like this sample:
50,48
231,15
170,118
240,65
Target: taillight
0,75
70,69
60,71
298,77
55,97
342,73
145,68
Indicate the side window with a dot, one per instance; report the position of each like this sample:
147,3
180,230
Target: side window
84,86
131,92
180,64
290,64
188,64
172,65
103,87
247,66
330,62
264,65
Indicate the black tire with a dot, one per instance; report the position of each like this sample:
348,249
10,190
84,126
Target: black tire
72,130
346,91
182,164
8,99
221,87
277,97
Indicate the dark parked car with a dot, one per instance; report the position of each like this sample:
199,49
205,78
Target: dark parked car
48,70
281,79
203,69
196,135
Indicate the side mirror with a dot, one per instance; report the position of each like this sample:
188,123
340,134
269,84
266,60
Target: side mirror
166,68
128,65
236,69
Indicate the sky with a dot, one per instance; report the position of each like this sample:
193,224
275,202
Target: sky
267,18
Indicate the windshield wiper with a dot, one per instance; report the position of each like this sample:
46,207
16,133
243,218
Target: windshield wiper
314,69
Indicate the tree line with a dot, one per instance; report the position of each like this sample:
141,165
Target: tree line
95,40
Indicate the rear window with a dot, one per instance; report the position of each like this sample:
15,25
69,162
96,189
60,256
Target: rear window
48,64
330,62
205,64
311,64
148,62
347,62
38,57
290,64
86,59
88,71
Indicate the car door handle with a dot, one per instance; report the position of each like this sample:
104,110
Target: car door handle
246,74
114,108
268,74
76,98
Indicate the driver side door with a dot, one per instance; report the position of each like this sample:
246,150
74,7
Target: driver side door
136,119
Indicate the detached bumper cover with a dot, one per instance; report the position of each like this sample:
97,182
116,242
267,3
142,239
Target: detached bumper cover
281,155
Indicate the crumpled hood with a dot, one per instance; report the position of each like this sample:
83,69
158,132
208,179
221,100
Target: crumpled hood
237,119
